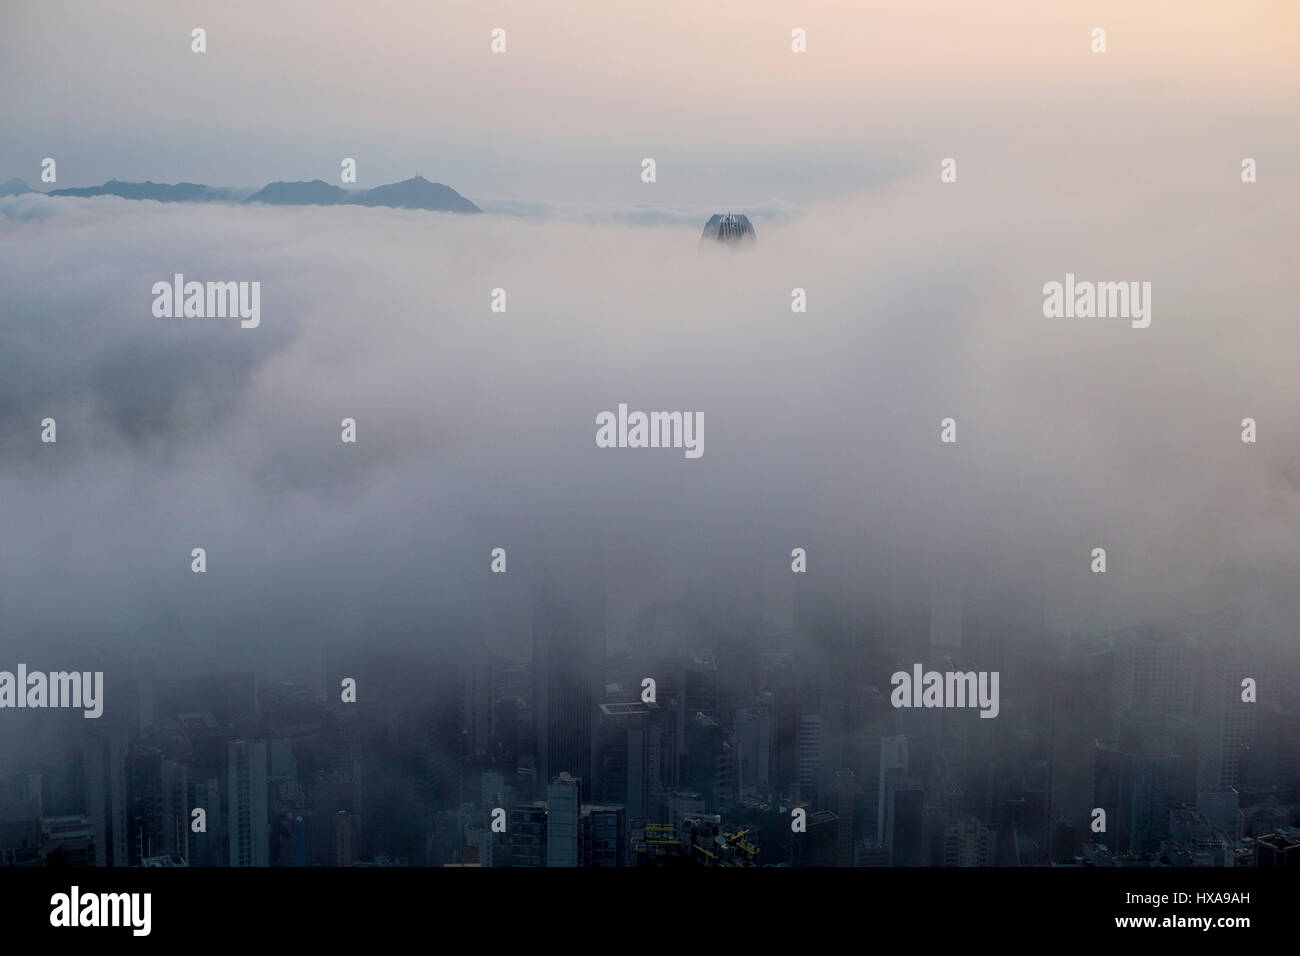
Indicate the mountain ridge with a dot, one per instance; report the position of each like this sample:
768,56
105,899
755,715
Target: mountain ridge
414,193
15,187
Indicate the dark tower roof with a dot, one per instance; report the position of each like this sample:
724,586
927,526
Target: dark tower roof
729,227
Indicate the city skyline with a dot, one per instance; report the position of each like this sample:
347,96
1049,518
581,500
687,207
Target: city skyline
682,436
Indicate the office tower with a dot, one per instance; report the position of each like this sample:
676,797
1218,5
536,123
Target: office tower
528,835
1278,851
431,763
662,642
346,830
563,837
246,790
210,847
809,756
480,843
1226,722
604,836
633,757
1063,842
493,791
728,228
754,747
1079,715
1137,779
787,688
569,674
700,683
1221,808
176,810
283,764
870,853
1188,825
69,841
158,815
710,763
869,781
726,794
32,792
683,804
905,820
476,701
817,845
893,763
1274,754
836,746
301,840
966,843
20,834
847,792
104,764
1153,670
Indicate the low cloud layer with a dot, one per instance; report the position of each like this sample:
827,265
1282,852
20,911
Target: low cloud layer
476,429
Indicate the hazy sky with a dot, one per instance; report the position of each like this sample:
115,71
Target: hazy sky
585,90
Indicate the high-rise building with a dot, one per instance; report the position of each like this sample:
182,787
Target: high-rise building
809,756
905,821
21,840
481,842
604,836
1278,850
1080,714
1136,781
476,700
69,841
730,227
1226,722
104,764
563,834
816,846
847,792
528,835
568,669
158,816
754,746
1221,808
345,831
966,843
710,763
633,757
246,788
1153,670
683,804
893,764
211,847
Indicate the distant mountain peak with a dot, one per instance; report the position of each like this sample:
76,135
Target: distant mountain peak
162,192
317,192
414,193
14,187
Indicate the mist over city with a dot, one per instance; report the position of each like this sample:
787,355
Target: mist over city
907,462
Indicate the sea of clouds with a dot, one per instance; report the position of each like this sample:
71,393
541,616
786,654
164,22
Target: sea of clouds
476,429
